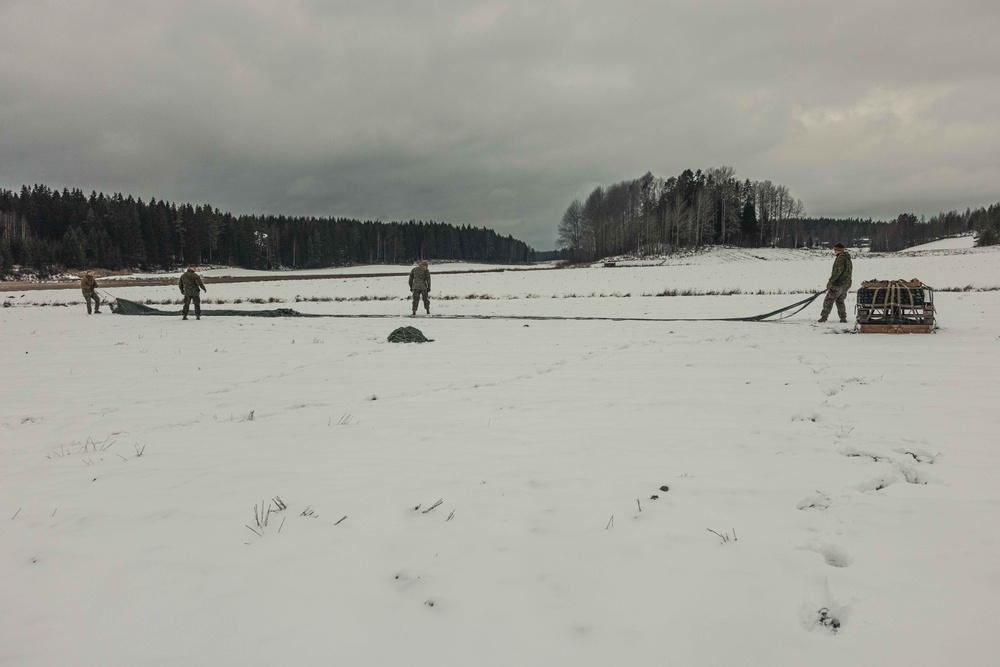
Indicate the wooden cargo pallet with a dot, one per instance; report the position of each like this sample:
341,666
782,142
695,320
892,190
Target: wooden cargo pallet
897,328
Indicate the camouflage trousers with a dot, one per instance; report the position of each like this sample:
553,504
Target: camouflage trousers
836,294
197,305
417,294
91,295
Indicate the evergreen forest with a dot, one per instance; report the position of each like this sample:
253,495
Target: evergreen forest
50,231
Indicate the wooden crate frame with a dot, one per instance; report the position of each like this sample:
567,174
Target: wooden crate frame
898,312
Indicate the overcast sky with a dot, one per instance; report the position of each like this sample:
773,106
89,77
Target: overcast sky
499,114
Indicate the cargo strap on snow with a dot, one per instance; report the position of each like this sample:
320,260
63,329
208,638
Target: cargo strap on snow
126,307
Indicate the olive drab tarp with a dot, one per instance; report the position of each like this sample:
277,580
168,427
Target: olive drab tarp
126,307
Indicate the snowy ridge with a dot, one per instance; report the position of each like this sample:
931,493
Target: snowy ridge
963,242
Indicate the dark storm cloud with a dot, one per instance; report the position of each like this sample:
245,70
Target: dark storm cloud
500,113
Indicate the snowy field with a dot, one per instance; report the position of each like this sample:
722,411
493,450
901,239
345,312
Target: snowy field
954,243
556,492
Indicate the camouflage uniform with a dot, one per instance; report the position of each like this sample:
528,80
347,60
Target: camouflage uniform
420,285
189,284
87,285
838,286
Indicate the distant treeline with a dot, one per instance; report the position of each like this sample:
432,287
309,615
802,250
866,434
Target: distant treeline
650,215
49,230
905,231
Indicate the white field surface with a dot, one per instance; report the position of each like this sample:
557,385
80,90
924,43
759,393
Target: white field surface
953,243
855,474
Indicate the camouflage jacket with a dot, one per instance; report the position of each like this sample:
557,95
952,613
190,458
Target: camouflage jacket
88,283
190,283
420,279
841,275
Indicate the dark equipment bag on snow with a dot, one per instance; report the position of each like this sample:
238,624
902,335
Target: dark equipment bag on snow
408,335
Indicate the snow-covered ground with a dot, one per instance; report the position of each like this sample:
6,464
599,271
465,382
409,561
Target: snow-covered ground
850,480
954,243
749,271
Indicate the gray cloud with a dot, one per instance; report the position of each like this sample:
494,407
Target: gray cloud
500,113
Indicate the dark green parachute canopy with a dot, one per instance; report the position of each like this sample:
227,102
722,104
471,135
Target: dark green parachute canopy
408,335
126,307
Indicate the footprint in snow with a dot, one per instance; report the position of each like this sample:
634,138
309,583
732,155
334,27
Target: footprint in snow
911,474
876,484
820,611
917,454
813,503
834,555
859,454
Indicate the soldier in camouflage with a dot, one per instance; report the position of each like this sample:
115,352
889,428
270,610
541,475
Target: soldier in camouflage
420,286
190,283
88,285
838,285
